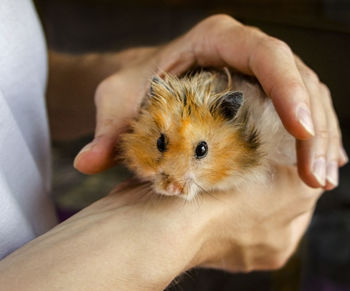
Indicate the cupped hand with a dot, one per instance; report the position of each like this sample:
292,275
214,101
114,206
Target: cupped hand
254,228
301,100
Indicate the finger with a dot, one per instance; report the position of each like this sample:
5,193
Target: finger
226,42
284,87
113,113
327,129
311,156
96,156
318,157
334,128
334,142
313,153
343,160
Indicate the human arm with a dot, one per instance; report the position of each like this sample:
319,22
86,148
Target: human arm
130,241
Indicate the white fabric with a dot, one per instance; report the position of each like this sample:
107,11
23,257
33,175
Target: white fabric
25,207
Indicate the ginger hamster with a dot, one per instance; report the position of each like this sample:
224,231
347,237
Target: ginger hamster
206,131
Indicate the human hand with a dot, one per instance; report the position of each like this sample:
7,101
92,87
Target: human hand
301,100
131,241
237,231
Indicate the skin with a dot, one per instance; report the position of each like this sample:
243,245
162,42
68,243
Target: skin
129,241
132,240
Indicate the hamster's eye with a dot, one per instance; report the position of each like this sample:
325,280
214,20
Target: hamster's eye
201,150
161,143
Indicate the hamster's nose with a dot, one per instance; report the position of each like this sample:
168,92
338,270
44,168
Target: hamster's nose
175,188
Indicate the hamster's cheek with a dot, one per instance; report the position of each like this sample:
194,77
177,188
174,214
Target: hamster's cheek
146,174
143,160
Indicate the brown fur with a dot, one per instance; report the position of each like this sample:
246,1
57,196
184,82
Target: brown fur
186,111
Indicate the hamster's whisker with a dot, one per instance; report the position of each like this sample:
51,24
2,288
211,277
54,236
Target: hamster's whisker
148,195
204,190
200,187
145,188
184,185
197,200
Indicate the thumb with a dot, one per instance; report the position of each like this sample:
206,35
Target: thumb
115,105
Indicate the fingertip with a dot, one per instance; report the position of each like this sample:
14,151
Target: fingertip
299,131
310,180
311,170
299,124
329,186
87,163
319,171
343,157
332,178
308,177
81,160
96,156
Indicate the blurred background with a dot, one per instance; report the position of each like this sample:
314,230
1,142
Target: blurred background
317,30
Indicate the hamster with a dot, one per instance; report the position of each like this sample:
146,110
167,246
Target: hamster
206,131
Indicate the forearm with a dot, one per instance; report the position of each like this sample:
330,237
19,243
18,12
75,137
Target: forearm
115,244
72,82
93,259
129,241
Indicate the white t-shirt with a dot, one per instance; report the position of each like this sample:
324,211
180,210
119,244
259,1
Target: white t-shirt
25,207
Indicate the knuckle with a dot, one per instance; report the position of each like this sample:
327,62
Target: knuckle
278,261
219,19
254,30
334,138
99,93
322,133
326,96
217,23
296,86
293,86
325,90
215,27
310,76
278,249
281,253
277,45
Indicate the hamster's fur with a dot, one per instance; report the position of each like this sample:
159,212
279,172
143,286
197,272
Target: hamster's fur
206,131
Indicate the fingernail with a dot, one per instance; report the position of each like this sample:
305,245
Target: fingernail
319,170
304,118
332,173
343,155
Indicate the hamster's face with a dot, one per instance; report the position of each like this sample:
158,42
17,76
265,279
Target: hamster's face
186,142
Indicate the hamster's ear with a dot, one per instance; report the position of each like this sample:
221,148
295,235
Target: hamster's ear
155,81
230,104
160,89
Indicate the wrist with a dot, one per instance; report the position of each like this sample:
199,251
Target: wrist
171,237
181,238
217,241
